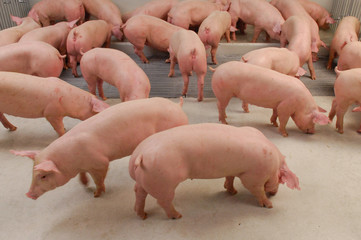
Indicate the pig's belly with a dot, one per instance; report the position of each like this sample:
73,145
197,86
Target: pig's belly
23,107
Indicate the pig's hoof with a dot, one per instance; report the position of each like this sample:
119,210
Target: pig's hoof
284,134
176,216
143,215
200,99
340,131
359,131
12,128
184,95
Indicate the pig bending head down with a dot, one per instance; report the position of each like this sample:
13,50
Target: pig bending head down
207,151
91,145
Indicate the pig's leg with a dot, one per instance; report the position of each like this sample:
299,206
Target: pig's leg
200,82
340,113
166,203
245,106
330,58
213,54
140,196
57,123
6,123
274,118
228,184
92,82
311,68
222,103
271,186
283,116
227,35
83,178
173,61
257,32
100,88
138,49
251,181
98,176
186,82
233,24
73,64
332,113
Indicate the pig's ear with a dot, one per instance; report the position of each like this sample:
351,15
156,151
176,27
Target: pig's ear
320,118
47,167
330,20
300,72
72,23
232,29
357,109
320,109
16,19
98,105
288,177
277,28
29,154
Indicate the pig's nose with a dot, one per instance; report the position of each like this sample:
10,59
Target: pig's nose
32,196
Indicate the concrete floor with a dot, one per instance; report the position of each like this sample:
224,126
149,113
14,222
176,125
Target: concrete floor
327,207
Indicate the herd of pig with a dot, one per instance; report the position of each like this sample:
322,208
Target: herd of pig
165,150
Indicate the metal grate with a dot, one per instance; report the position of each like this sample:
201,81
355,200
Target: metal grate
19,8
344,8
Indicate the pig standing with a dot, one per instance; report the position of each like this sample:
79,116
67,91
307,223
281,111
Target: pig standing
55,35
297,34
259,13
347,31
13,34
287,96
91,34
193,12
350,56
143,30
47,12
188,50
108,11
155,8
318,13
92,144
207,151
116,68
347,91
217,24
51,98
35,58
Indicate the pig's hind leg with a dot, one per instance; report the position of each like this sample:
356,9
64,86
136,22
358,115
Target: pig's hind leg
252,182
6,123
100,88
140,196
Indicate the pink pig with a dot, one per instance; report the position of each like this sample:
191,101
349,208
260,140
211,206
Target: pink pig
51,98
35,58
143,30
13,34
116,68
155,8
193,12
287,96
297,34
350,56
259,13
92,144
217,24
55,35
347,31
91,34
108,11
47,12
188,50
347,91
207,151
318,13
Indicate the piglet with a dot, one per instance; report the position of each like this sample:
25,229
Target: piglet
35,58
108,11
350,56
207,151
143,30
318,13
347,31
217,24
47,12
347,91
51,98
188,50
155,8
91,34
13,34
116,68
286,95
91,145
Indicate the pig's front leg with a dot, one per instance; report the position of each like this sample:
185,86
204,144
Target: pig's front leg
100,88
227,35
57,123
6,123
200,86
284,114
140,196
73,64
330,58
222,104
340,113
332,113
311,68
98,176
228,185
274,118
213,54
257,32
245,107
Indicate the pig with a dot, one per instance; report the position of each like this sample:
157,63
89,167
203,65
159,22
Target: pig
279,59
155,8
217,24
259,13
207,151
347,31
13,34
286,95
318,13
347,91
296,33
55,35
92,144
51,98
108,11
188,50
35,58
91,34
350,56
47,12
192,12
143,30
116,68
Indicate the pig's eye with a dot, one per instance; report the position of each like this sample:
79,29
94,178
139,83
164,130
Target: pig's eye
43,177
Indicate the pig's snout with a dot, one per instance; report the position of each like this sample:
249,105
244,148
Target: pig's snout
32,195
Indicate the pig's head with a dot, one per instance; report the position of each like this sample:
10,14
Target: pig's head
34,15
325,21
46,175
226,4
306,120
